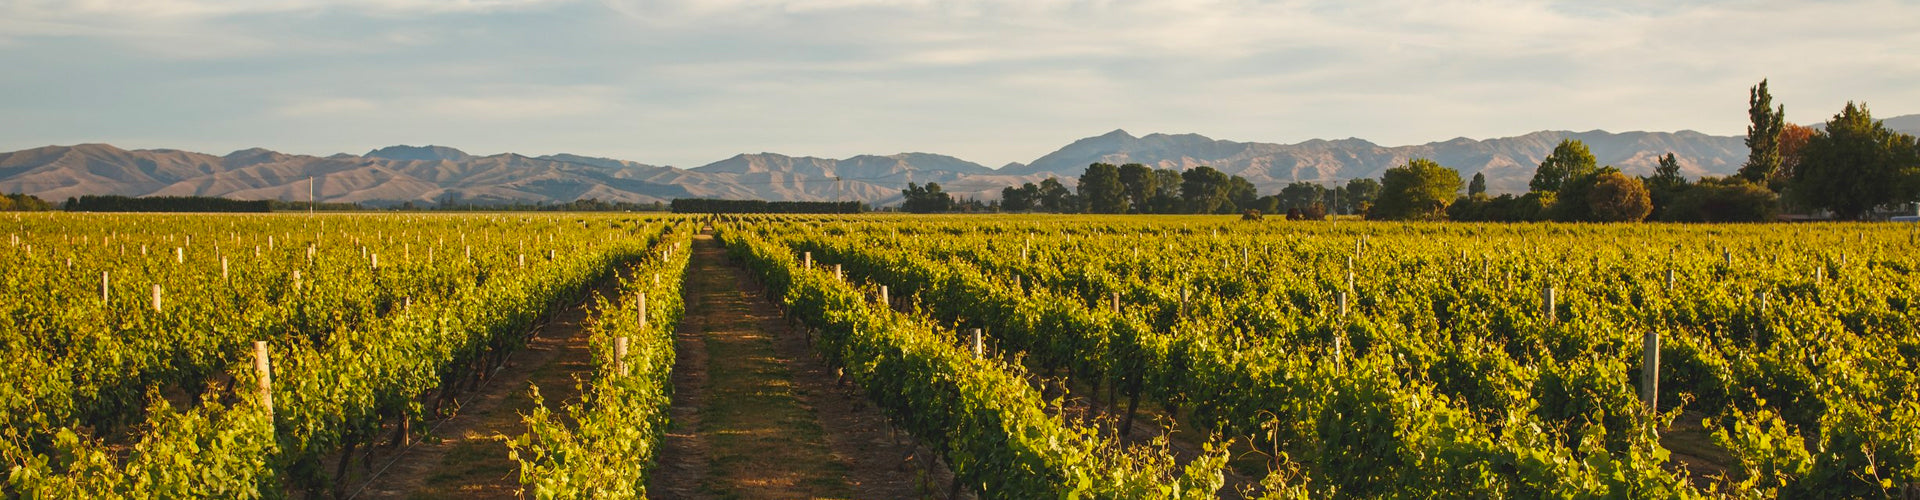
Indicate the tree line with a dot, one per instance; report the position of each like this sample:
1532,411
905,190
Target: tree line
715,206
114,203
580,205
1850,168
1134,188
23,203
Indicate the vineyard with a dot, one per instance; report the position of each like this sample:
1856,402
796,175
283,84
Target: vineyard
234,356
1371,360
264,355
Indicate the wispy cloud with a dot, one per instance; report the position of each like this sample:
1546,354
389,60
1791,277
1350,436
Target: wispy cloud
687,81
326,107
174,9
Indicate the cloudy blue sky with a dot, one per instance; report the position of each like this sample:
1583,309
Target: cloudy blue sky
689,82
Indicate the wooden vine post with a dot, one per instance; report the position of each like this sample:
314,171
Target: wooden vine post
264,371
979,346
620,356
884,298
1650,371
643,310
1548,302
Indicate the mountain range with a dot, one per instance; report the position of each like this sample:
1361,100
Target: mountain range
430,174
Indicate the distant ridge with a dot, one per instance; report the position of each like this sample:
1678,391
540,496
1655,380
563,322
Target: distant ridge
1508,162
430,174
419,153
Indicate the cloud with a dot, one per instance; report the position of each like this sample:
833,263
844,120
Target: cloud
494,104
177,9
988,80
326,107
513,107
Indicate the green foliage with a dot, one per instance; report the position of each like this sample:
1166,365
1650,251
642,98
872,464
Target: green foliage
979,414
1615,197
1167,200
1141,185
1531,207
1730,199
165,204
1571,201
1767,454
23,203
1569,160
1472,208
1299,196
925,200
714,206
1055,197
1763,135
355,345
1856,165
1443,380
1241,193
1359,196
207,452
1478,185
1664,186
1021,199
610,447
1102,190
1419,190
1204,190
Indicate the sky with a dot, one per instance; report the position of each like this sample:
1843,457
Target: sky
685,83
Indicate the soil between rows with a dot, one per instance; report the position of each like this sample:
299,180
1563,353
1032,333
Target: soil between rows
464,455
756,415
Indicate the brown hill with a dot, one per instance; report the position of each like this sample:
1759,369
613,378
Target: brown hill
428,174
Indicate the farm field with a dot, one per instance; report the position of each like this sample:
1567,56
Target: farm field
937,356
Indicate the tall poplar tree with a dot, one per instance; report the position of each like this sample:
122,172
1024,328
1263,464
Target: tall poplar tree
1763,135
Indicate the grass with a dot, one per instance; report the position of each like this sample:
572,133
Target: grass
762,440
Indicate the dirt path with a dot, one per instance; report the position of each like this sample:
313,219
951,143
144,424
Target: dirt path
462,458
756,416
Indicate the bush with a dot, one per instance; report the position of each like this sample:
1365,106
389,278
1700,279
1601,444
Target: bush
1530,208
1418,190
1729,199
1316,211
1615,197
23,203
1471,208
